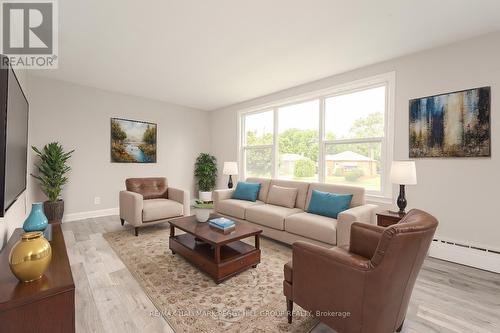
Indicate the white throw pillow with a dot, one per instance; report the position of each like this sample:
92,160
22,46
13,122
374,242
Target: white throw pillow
282,196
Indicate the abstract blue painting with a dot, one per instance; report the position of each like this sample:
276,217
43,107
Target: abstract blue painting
451,125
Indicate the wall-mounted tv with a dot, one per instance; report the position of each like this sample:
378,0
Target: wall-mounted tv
14,111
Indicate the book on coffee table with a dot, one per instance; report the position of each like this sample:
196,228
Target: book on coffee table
225,231
221,222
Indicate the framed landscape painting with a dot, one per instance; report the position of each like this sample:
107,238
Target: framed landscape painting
451,125
132,141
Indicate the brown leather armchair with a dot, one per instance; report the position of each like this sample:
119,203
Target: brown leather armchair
367,287
149,201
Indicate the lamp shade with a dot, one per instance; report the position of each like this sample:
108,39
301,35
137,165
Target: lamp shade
230,168
403,173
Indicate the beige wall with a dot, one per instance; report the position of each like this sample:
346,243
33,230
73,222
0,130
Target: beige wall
79,118
15,215
461,193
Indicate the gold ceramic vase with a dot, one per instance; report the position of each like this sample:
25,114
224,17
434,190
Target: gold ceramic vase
30,257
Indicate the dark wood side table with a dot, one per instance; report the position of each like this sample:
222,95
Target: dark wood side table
387,218
46,305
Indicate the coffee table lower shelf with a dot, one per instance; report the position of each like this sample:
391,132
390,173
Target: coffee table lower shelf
234,257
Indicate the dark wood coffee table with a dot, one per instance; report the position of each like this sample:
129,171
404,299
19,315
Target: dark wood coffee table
220,256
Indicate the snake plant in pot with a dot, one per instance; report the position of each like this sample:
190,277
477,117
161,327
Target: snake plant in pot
52,171
205,172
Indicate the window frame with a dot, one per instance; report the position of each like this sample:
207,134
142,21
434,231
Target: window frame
387,142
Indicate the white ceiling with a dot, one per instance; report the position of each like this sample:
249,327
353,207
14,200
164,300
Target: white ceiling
212,53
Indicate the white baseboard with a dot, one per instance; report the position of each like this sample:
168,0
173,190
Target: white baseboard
466,255
90,214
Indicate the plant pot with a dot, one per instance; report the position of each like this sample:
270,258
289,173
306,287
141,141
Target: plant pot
202,214
54,210
205,196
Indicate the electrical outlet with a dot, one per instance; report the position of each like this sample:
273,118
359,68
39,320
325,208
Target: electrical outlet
97,200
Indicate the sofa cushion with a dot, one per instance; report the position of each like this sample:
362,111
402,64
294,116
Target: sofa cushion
270,215
317,227
301,187
282,196
264,186
159,209
328,204
235,208
246,191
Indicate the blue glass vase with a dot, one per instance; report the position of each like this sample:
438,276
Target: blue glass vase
36,221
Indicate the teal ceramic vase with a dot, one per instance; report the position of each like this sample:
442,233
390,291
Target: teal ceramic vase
36,221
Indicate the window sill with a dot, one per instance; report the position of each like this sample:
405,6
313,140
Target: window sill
379,199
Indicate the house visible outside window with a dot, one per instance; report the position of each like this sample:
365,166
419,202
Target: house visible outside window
341,135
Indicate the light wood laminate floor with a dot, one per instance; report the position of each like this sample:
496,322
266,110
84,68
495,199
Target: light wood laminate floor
447,297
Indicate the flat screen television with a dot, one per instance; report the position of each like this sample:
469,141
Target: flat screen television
14,111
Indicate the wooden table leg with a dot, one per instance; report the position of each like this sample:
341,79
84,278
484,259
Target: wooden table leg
172,234
217,254
257,246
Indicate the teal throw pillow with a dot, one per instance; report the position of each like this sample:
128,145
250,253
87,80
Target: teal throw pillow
246,191
328,204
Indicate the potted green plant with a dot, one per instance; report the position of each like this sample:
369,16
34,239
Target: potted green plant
205,172
52,171
203,210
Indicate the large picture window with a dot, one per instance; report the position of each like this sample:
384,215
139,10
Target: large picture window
341,135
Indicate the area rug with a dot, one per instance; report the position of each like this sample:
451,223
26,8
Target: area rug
250,302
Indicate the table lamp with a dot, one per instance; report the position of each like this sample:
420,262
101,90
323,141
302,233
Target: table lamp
230,168
403,173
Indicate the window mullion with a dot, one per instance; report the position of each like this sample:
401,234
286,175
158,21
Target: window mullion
321,145
242,155
275,170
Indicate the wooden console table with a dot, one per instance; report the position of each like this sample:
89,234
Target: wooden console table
43,306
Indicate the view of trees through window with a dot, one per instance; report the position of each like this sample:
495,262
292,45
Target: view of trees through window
351,143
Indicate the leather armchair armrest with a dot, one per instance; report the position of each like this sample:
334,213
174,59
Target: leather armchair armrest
182,197
336,257
220,195
328,279
131,205
346,218
365,239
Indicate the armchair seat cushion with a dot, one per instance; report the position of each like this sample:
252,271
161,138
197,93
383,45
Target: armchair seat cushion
235,207
270,215
158,209
317,227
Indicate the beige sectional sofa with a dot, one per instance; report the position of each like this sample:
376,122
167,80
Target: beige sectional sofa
289,223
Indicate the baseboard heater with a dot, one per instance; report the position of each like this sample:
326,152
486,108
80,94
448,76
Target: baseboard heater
466,254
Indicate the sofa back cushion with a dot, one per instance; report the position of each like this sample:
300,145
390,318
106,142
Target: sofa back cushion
150,188
282,196
358,193
264,186
246,191
302,187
